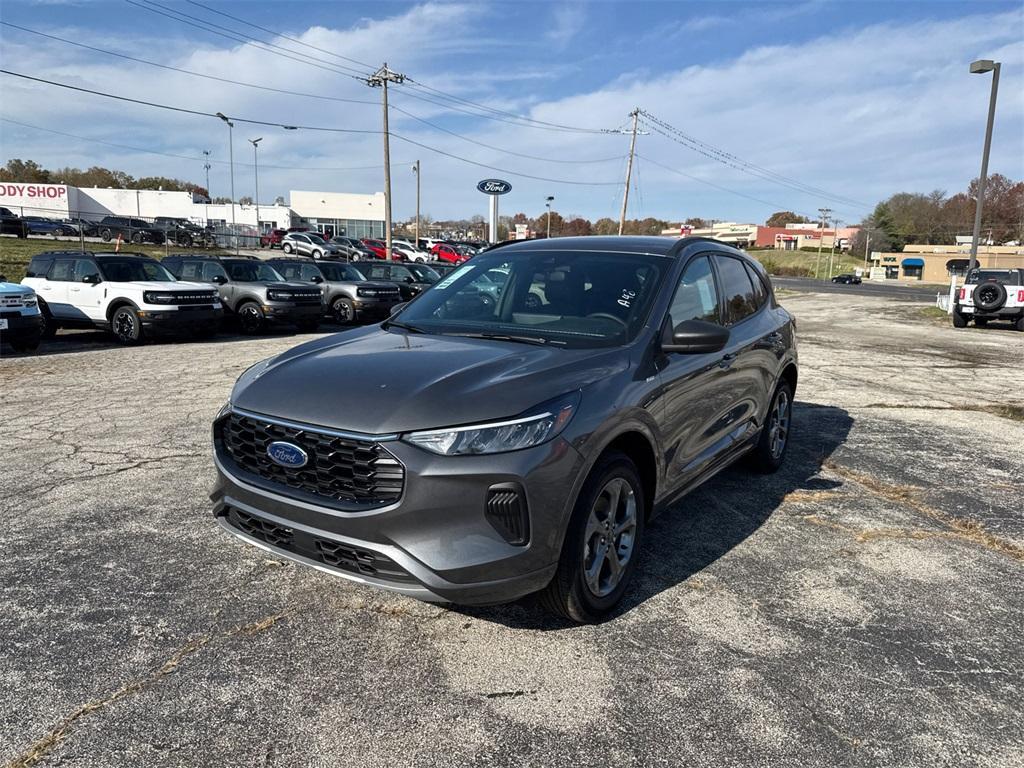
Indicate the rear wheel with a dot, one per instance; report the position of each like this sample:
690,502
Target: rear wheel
250,318
49,326
602,543
126,325
343,310
959,321
138,238
770,451
106,235
287,247
318,254
1019,325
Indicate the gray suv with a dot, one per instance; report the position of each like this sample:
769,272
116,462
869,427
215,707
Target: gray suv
347,294
252,291
311,244
475,451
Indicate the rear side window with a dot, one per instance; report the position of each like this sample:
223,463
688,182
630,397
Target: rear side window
288,271
760,292
189,270
737,290
63,270
39,266
212,269
696,297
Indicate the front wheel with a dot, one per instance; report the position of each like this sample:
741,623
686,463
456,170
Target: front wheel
318,254
770,451
106,235
138,238
250,318
343,310
602,543
126,325
29,344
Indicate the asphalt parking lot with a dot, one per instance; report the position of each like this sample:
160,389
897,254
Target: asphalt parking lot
862,607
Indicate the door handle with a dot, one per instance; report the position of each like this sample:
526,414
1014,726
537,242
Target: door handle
727,361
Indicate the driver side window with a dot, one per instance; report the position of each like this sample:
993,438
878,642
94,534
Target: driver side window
696,296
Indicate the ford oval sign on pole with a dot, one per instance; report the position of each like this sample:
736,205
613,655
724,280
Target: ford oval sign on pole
493,188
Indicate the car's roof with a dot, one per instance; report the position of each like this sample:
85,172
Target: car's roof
94,254
660,246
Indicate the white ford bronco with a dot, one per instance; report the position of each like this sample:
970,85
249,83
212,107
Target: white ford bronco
21,324
130,294
991,294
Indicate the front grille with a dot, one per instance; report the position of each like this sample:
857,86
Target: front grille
9,315
195,298
339,469
307,298
329,552
10,301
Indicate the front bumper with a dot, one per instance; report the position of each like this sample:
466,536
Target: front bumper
293,313
184,318
370,307
441,544
21,326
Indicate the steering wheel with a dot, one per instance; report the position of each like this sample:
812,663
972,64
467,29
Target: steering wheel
608,316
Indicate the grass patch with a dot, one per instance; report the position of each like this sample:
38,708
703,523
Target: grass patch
16,253
805,264
933,313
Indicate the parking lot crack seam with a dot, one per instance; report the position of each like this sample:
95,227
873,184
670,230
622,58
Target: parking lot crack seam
42,746
961,528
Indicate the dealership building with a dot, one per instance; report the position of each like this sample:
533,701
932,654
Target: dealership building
333,213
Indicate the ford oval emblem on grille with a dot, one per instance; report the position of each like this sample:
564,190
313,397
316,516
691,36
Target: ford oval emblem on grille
287,455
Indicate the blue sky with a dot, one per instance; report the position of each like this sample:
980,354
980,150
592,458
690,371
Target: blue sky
857,100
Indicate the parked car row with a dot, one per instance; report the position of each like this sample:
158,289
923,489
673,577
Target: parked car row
304,242
135,296
173,229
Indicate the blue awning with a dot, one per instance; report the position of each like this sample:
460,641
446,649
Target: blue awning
913,262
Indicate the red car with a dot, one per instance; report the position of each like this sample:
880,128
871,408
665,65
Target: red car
273,238
445,252
379,248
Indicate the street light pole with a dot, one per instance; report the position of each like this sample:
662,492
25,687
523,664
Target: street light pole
980,67
256,169
206,165
231,154
825,213
547,202
416,170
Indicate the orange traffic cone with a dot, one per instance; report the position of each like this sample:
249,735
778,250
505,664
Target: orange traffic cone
117,245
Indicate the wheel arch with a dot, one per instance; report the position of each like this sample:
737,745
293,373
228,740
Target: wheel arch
116,304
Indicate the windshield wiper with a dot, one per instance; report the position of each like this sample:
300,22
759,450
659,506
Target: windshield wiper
536,340
403,326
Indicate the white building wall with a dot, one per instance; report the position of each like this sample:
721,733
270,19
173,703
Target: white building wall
337,205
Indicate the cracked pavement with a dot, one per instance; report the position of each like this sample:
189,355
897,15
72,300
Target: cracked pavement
862,607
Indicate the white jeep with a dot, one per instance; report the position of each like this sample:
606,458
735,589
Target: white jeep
127,293
991,294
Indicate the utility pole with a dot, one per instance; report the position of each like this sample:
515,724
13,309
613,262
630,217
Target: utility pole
256,169
231,151
380,79
825,213
547,202
206,166
832,253
416,170
635,114
867,244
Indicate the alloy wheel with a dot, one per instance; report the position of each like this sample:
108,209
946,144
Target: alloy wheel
343,311
124,325
609,537
250,318
778,425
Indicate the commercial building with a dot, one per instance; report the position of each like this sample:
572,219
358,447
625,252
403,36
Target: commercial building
938,263
333,213
791,237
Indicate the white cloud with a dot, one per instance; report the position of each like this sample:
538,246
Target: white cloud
566,22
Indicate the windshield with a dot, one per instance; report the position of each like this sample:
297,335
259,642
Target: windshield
126,270
1005,276
570,299
251,272
316,239
340,272
423,274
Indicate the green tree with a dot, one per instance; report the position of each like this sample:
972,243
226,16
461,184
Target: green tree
782,218
697,223
25,171
606,226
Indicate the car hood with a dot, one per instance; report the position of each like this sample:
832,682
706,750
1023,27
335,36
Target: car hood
15,288
378,382
160,285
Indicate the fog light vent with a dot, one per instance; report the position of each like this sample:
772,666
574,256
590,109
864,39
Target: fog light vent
506,511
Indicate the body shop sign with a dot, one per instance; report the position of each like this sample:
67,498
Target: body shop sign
34,191
35,199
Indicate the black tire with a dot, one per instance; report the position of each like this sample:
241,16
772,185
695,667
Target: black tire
185,240
988,297
343,310
1019,325
981,322
318,254
770,451
106,235
959,321
138,238
287,247
570,594
49,326
250,318
126,325
29,344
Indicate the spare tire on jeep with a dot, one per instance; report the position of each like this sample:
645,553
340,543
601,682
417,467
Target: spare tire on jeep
990,296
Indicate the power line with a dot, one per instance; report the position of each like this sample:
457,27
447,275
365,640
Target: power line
306,128
281,35
191,158
216,29
187,71
726,158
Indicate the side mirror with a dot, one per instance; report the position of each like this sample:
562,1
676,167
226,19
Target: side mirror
694,337
317,279
3,278
408,280
218,279
91,279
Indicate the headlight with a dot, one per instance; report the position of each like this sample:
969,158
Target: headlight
366,292
29,300
536,426
156,297
279,295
